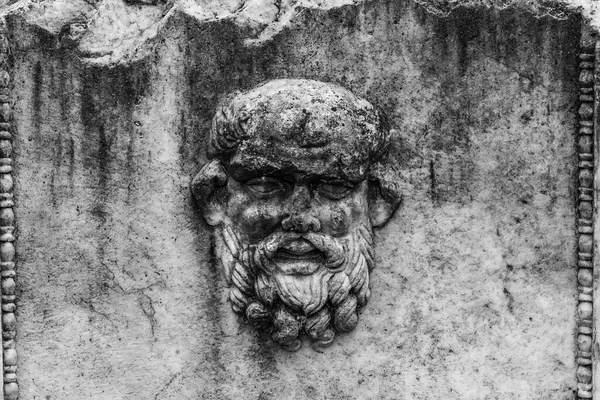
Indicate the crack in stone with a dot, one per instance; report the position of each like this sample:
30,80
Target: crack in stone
511,300
509,296
240,7
166,386
144,300
279,10
88,303
147,306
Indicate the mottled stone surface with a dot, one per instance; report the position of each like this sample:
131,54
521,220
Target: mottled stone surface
474,294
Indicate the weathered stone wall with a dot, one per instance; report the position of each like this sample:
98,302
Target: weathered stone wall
474,294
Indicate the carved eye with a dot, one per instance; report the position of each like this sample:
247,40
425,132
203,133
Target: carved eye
334,189
265,185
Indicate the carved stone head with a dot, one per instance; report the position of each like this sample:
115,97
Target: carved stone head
294,187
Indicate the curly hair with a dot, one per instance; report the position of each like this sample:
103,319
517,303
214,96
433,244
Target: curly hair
243,115
256,295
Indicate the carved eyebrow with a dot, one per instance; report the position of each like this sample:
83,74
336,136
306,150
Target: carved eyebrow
241,172
342,178
336,179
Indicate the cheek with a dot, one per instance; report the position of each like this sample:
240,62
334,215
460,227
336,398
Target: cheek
346,215
340,221
256,219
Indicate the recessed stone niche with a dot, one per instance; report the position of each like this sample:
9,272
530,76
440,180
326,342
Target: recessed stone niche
481,281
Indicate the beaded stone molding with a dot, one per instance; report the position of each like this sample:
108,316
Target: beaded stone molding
7,227
585,223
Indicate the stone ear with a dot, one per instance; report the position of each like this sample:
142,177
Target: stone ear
384,199
205,188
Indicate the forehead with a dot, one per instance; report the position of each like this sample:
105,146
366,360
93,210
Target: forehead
313,128
265,158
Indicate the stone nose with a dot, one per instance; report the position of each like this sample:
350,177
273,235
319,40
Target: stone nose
300,217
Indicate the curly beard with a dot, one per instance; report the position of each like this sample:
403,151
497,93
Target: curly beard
318,304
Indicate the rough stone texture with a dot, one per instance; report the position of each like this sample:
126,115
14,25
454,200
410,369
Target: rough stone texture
474,294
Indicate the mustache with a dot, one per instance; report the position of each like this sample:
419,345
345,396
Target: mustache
333,250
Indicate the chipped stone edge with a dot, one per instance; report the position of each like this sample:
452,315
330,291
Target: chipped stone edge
7,227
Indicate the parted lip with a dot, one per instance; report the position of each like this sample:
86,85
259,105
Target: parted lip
298,249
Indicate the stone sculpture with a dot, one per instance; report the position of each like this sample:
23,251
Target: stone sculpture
294,186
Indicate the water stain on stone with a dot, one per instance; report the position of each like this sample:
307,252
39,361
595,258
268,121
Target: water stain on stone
214,331
37,99
466,24
64,100
432,182
108,97
208,76
260,354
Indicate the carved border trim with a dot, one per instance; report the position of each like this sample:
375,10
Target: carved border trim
7,228
585,228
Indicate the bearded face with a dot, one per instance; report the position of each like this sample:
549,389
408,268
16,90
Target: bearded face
297,255
293,195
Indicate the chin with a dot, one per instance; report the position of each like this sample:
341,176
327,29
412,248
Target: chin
304,293
301,266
